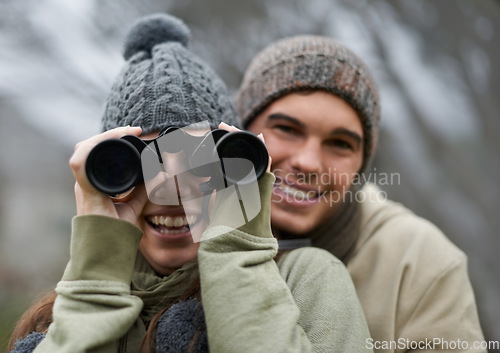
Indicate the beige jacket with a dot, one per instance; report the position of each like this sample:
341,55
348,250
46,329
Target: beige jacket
412,282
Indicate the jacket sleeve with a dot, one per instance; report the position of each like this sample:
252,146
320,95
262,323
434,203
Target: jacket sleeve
249,306
94,307
330,312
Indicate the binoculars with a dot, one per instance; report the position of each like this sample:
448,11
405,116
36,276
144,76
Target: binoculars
117,165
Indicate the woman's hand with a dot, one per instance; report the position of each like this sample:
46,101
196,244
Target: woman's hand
91,201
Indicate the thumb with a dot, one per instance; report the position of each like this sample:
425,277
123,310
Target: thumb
131,209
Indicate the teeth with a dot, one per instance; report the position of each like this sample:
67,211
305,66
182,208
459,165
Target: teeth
296,193
170,231
179,221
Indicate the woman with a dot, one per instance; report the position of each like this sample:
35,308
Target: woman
317,106
136,280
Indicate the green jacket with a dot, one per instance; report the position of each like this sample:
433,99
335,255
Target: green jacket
305,303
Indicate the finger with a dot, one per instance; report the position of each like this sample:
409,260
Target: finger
78,198
93,202
231,128
123,197
132,209
83,148
269,163
115,133
139,199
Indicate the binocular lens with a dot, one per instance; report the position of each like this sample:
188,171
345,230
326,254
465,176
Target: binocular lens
114,166
242,152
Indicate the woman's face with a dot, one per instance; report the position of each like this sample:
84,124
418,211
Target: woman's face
315,140
171,219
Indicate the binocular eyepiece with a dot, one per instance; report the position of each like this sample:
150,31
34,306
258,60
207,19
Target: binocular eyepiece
116,165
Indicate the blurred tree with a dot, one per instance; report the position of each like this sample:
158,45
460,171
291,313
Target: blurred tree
434,62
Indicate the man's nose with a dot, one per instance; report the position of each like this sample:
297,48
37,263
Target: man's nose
308,157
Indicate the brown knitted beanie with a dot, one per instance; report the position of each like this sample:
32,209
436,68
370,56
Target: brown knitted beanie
311,63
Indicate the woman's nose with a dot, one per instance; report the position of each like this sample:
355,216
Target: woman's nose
162,190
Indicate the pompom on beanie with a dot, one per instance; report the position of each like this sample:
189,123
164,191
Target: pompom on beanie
163,83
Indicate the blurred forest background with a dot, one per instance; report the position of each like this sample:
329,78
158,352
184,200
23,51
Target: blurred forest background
433,60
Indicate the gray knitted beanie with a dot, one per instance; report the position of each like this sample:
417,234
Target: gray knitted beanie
164,83
311,63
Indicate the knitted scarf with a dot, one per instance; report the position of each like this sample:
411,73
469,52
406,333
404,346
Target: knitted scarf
182,327
158,292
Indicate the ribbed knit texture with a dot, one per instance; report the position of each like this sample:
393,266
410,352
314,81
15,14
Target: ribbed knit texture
164,83
182,328
29,343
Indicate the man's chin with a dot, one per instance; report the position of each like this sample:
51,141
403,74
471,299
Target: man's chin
294,224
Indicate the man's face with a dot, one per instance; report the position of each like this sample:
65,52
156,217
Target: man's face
315,140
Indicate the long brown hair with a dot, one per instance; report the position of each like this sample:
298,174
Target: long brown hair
39,317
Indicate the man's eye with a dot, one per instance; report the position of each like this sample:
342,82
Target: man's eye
286,129
342,144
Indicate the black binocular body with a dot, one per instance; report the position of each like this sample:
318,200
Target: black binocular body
115,166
